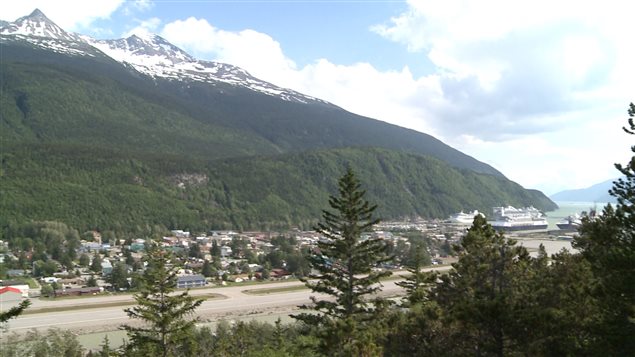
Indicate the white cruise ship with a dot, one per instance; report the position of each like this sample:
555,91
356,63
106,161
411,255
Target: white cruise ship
518,219
464,218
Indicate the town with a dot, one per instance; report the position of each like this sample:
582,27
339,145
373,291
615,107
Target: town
104,264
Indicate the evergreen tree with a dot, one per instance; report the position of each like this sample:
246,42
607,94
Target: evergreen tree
608,243
480,294
215,249
95,266
418,282
207,269
106,350
119,277
167,327
343,265
84,260
14,311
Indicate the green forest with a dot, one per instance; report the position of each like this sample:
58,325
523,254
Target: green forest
114,190
90,143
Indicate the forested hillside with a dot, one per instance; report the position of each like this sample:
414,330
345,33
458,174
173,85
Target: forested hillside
94,144
116,190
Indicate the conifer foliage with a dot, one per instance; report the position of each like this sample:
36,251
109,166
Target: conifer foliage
342,264
608,244
165,314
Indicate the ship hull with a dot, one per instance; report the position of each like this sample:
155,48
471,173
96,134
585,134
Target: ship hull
519,227
568,226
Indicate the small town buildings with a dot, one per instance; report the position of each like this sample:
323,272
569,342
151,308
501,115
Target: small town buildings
9,297
280,274
106,267
225,251
190,281
49,279
79,291
16,272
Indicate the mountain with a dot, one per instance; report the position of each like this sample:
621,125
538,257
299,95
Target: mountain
595,193
38,25
112,133
218,93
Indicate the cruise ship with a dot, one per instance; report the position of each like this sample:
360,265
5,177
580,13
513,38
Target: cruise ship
464,218
518,219
571,223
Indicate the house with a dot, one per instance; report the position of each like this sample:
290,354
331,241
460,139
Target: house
79,291
225,251
10,282
190,281
279,273
9,297
106,267
180,233
49,279
16,272
137,246
23,288
90,247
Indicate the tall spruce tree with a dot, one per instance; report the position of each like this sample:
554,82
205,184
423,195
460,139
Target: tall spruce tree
165,313
342,269
418,282
480,294
608,243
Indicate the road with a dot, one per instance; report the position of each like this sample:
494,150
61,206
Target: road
234,302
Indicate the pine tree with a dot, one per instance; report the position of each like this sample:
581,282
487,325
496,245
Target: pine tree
215,249
342,267
608,243
95,266
14,311
119,277
105,351
206,270
418,282
479,295
167,326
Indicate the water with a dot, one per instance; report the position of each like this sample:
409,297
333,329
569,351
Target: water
569,208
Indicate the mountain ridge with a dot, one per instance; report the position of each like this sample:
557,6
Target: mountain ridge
75,119
187,88
151,55
594,193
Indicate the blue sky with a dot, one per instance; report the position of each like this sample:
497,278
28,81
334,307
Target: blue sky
538,89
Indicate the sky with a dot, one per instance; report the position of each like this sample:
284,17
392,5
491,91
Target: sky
538,89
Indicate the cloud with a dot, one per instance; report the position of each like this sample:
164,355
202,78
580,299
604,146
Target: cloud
254,51
144,27
360,88
136,6
509,69
71,15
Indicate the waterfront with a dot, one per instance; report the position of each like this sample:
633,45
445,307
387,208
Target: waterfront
566,209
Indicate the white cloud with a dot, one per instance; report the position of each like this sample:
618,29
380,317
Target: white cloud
254,51
512,70
71,15
144,27
135,6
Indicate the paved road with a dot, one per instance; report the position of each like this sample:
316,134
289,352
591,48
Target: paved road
233,303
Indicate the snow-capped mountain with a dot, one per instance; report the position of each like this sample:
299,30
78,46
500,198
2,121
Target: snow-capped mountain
150,55
37,24
39,31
